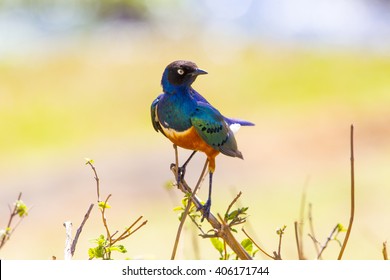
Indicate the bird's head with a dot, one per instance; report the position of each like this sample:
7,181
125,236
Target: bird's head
180,73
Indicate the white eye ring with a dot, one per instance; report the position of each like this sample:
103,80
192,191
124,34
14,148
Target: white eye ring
180,71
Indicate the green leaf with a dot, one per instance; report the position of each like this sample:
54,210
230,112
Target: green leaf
118,248
169,185
178,208
97,252
280,231
248,245
232,215
21,208
341,228
218,244
103,204
91,253
89,161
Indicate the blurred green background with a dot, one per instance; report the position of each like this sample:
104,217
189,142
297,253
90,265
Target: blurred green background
77,79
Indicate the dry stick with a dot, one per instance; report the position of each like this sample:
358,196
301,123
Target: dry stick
312,235
225,251
384,251
258,247
277,255
187,209
7,235
97,180
299,230
297,237
352,198
231,204
222,231
104,218
78,232
327,241
68,241
127,232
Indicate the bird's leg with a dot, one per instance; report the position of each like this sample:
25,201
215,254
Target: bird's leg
206,207
182,170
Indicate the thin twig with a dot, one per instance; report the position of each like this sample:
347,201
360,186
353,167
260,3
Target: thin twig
78,232
297,237
187,209
231,205
278,255
137,228
184,215
103,210
327,241
68,240
384,251
9,232
312,235
299,232
89,162
180,228
352,198
225,251
258,247
128,231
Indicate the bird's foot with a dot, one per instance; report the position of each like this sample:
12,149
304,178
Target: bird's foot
206,210
180,173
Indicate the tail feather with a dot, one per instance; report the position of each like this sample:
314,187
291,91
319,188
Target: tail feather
230,121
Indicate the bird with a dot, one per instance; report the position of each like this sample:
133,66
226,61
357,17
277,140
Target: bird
189,121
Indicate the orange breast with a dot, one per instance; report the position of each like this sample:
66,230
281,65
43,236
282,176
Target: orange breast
191,140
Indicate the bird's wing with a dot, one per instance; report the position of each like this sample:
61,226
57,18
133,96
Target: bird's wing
213,129
153,113
230,121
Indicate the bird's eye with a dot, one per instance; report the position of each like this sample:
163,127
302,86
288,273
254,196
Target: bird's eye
180,71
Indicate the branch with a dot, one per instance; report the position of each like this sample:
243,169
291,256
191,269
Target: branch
127,232
232,203
222,229
299,226
312,235
90,163
8,232
103,210
68,241
327,241
279,232
258,247
352,198
189,202
298,241
384,251
78,232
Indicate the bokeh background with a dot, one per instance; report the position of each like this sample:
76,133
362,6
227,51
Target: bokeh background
77,79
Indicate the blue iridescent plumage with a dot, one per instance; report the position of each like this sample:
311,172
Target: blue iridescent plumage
190,121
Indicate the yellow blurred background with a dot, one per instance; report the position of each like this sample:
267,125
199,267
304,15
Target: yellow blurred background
83,88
